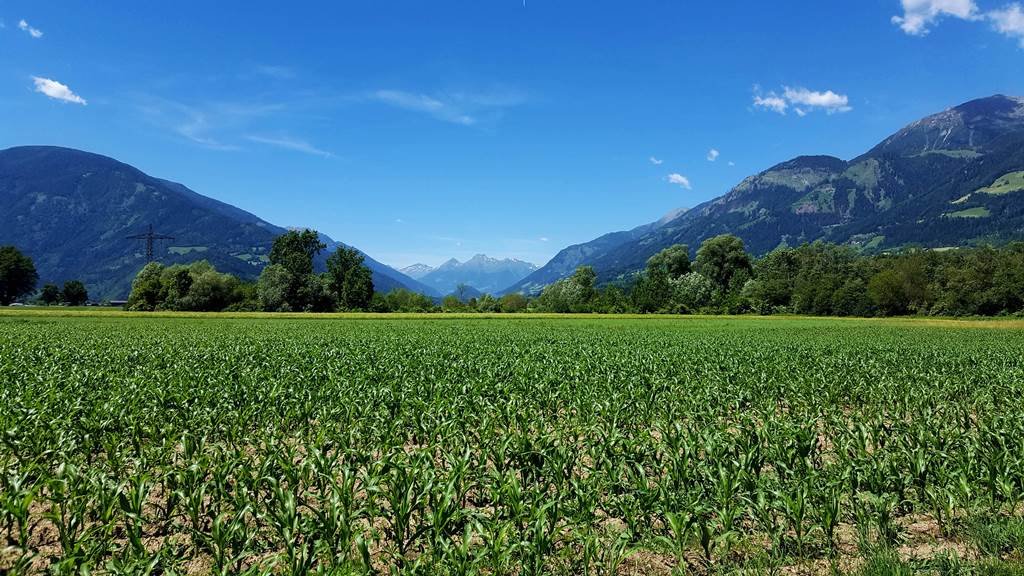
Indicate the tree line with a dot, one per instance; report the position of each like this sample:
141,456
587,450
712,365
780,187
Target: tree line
18,278
812,279
287,284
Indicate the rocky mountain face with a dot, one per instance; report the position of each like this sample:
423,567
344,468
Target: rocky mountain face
954,178
71,211
416,271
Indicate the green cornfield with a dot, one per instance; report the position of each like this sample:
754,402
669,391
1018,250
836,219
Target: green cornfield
516,445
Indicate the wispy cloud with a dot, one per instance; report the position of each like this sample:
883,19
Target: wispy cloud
713,155
289,143
802,101
33,32
423,103
196,128
656,161
918,15
274,71
213,125
679,180
463,108
57,91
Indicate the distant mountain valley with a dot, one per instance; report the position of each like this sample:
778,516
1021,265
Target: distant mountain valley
485,275
955,178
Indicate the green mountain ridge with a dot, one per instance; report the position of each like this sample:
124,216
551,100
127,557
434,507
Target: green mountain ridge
899,193
71,211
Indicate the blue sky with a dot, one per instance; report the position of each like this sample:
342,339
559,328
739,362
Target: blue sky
420,131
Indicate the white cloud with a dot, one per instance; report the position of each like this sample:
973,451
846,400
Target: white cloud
656,161
680,180
544,239
1009,21
802,101
290,144
424,103
731,163
771,102
827,100
57,91
33,32
713,155
918,15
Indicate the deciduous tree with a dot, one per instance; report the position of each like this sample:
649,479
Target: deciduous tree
18,275
350,281
74,293
50,295
724,260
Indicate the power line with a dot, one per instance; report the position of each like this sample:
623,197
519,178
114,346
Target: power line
149,236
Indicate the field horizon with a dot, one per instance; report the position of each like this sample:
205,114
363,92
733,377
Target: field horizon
1002,322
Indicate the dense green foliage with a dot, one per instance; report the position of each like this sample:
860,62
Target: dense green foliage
350,282
289,284
195,287
74,293
49,295
815,279
824,279
504,447
572,294
294,250
401,300
18,275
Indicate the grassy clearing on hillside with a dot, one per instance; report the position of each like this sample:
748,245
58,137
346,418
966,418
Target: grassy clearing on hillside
1012,182
183,250
976,212
514,445
960,154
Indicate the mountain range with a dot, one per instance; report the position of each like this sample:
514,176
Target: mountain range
482,273
955,178
72,211
951,179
